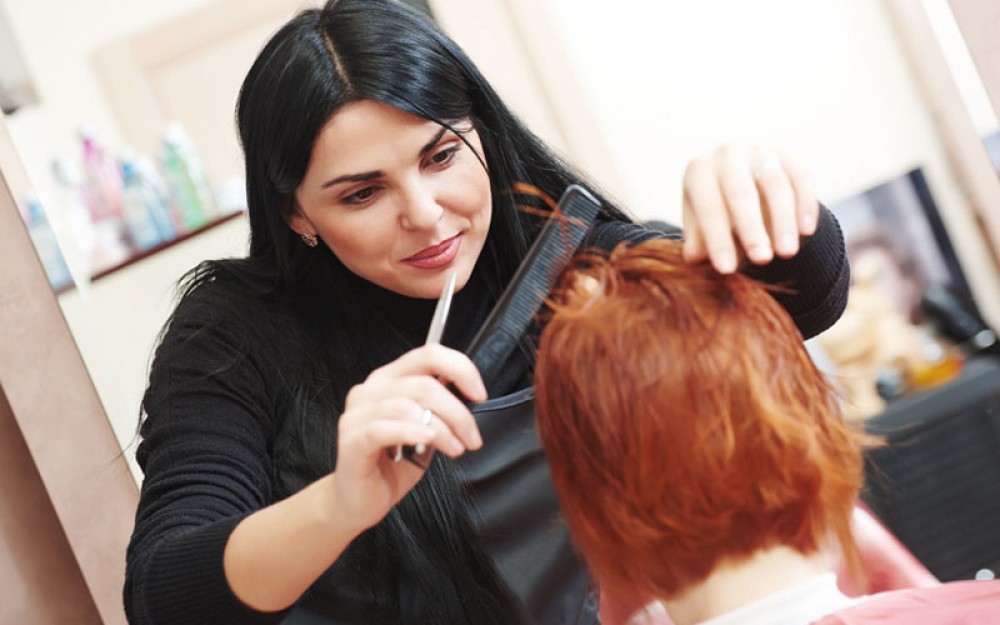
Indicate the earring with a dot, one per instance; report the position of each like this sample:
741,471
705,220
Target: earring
309,239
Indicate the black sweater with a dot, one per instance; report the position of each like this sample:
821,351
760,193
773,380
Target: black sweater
214,412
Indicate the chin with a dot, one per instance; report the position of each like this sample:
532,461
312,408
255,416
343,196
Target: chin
464,275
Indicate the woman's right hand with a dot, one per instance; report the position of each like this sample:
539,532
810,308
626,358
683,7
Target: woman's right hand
302,535
387,410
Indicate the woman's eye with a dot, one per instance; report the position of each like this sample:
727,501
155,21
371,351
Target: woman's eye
360,197
444,156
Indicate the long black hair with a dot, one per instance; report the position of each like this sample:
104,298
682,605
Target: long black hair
322,59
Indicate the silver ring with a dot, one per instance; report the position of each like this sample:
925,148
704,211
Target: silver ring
766,165
426,417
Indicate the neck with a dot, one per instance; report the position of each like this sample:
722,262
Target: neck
733,585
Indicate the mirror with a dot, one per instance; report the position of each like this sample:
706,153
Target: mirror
827,81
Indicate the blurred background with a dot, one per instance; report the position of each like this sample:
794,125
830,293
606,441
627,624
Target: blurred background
118,149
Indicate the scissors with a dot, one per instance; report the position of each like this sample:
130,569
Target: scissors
434,334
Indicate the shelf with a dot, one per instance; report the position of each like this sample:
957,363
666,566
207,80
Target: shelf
139,256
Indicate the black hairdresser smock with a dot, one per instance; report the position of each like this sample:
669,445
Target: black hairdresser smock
216,448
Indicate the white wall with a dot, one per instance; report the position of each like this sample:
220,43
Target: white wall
665,81
977,101
116,320
823,79
57,38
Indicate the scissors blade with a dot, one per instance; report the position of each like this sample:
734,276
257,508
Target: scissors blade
440,318
434,335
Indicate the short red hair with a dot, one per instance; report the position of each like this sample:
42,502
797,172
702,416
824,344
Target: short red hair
685,423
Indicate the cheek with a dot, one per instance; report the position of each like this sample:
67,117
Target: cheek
355,241
481,204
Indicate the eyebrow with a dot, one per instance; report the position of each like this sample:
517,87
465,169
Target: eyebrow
371,175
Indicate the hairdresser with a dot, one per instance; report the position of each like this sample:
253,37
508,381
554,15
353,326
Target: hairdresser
378,161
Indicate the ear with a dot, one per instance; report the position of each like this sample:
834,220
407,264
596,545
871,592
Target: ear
297,221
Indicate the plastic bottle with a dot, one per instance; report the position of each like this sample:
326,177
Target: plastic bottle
46,244
103,181
71,197
158,197
103,185
111,246
138,207
189,188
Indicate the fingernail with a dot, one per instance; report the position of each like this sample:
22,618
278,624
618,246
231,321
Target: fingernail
725,262
788,244
475,440
760,252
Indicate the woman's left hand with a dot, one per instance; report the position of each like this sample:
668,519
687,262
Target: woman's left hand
746,202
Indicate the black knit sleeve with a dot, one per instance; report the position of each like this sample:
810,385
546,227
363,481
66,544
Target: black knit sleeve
815,280
205,458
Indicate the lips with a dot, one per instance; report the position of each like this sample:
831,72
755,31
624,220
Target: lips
434,250
436,255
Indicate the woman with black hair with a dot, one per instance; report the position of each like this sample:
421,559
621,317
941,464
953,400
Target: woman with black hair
378,162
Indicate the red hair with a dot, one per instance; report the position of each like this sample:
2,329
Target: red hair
685,424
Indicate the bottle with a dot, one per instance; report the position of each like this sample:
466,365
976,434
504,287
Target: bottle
103,186
137,207
46,245
71,197
189,188
103,183
941,361
158,198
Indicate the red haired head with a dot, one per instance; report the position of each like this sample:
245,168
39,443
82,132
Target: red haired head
685,424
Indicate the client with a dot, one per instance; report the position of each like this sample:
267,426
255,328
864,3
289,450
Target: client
699,455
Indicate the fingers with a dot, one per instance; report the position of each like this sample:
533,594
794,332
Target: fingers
401,421
694,244
445,439
364,433
806,205
447,410
407,391
743,200
751,201
778,202
706,218
404,404
440,362
381,434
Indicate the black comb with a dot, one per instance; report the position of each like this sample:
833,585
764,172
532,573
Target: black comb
549,254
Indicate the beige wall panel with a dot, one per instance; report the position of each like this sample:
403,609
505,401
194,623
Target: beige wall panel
189,69
58,413
979,21
40,582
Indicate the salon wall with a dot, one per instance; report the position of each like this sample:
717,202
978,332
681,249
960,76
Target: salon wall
116,320
57,39
644,86
824,79
36,555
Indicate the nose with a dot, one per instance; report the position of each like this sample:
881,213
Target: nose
420,208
